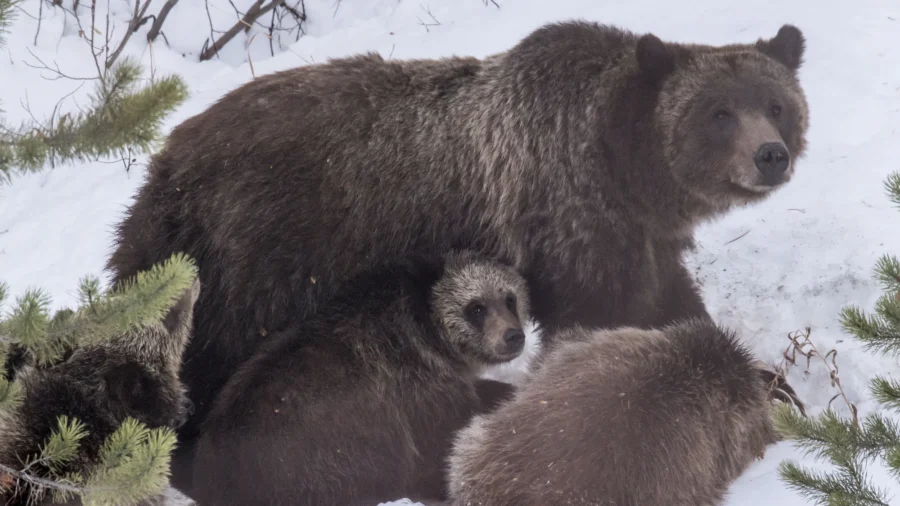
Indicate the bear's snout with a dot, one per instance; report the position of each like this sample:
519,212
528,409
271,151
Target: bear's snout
772,159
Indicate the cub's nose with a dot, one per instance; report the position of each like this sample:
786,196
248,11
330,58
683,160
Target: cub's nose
772,159
514,339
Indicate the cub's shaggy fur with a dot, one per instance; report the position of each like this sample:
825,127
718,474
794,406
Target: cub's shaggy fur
133,375
359,404
626,417
585,154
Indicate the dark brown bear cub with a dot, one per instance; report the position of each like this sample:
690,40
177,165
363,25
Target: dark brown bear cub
134,375
630,417
585,154
359,404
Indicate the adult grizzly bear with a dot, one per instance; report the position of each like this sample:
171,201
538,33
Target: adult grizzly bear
628,417
359,403
585,155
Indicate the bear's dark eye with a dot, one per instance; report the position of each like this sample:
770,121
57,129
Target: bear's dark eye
776,110
722,114
475,313
511,303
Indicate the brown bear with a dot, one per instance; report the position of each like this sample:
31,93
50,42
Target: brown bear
629,416
134,375
585,154
359,403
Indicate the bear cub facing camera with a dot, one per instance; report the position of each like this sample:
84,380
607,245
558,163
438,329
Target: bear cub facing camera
359,403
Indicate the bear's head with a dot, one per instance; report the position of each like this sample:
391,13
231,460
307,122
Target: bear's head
733,118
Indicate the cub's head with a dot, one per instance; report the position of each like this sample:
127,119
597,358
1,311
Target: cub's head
482,306
134,375
733,118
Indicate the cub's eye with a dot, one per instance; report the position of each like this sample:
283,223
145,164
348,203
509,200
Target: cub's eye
722,114
776,110
475,313
511,303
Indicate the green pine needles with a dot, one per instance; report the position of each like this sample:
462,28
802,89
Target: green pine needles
133,462
123,119
846,442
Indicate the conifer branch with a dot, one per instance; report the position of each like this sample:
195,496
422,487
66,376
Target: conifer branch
847,444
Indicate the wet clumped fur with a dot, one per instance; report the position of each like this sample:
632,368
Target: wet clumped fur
134,375
586,154
358,404
625,417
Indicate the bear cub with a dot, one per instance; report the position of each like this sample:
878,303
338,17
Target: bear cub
135,375
359,403
633,417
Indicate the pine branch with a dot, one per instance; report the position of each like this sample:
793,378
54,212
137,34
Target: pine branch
875,333
133,465
892,186
886,392
140,301
121,120
7,16
887,271
841,489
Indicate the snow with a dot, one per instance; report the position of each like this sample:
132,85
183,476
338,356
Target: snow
789,263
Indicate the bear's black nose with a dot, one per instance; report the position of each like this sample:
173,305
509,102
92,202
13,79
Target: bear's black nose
772,159
514,339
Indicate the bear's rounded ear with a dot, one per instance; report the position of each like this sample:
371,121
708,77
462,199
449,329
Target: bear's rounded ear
787,46
655,61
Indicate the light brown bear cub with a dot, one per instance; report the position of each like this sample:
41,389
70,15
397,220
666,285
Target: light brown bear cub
359,404
134,375
624,417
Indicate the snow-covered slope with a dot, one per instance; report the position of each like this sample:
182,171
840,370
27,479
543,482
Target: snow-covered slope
786,264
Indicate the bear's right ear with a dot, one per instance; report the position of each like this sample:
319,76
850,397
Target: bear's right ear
655,61
181,313
787,46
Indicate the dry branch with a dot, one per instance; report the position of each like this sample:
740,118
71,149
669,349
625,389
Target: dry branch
160,19
253,13
137,21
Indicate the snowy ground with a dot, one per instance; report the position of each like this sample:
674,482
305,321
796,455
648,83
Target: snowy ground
789,263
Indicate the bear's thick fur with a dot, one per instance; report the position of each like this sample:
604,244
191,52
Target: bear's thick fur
134,375
629,417
585,155
359,404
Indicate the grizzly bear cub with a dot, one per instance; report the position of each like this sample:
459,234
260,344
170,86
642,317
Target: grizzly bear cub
134,375
359,403
629,417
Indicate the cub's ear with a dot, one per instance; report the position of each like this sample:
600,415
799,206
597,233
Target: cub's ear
181,313
787,46
655,61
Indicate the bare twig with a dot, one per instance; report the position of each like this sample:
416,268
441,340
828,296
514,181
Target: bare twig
137,21
249,58
160,19
59,73
736,238
40,18
801,344
486,2
252,14
434,22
